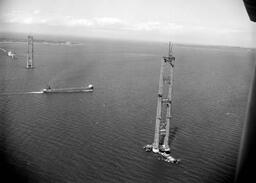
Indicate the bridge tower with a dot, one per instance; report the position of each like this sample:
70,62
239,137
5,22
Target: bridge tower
162,126
30,53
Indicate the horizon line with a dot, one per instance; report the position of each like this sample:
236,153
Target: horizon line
179,43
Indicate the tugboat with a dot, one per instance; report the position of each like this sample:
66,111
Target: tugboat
10,54
170,159
148,148
47,89
90,86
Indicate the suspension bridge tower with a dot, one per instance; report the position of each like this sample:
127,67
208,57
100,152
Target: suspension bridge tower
30,53
164,104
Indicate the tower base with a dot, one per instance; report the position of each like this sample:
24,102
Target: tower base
155,150
30,67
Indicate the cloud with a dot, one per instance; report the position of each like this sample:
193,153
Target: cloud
70,21
112,23
36,17
95,22
145,26
28,20
23,17
36,12
107,21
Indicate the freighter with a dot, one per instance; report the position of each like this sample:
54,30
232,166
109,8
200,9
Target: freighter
89,88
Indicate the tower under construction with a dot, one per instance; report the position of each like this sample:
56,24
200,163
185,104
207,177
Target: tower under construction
164,110
164,104
30,53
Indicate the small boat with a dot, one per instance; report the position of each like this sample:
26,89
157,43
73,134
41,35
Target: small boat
89,88
169,158
172,160
10,54
148,148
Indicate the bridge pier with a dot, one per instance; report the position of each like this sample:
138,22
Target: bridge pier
30,53
166,62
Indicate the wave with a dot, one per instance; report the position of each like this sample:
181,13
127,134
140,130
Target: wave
21,93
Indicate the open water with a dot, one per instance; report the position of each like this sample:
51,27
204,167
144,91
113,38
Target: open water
98,137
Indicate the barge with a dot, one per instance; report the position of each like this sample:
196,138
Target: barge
89,88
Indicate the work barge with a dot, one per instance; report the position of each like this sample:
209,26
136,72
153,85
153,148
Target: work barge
164,110
89,88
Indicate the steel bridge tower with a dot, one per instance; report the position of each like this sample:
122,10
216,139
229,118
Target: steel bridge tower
30,53
162,127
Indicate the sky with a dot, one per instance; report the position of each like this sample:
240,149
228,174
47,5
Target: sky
211,22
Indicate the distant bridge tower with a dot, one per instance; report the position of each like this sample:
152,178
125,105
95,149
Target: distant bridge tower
30,53
163,125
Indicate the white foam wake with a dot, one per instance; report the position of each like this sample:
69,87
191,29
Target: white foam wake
36,92
21,93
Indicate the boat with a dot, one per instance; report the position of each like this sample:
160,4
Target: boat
89,88
172,160
10,54
169,158
148,148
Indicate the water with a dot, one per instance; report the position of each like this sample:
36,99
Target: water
98,137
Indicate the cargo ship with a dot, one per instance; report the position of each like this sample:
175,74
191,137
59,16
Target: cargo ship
89,88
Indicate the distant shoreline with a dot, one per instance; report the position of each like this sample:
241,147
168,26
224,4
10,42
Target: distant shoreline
213,46
56,40
47,42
